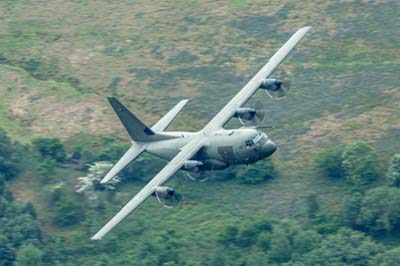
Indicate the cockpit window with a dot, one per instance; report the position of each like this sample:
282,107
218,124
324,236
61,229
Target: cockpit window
249,143
260,139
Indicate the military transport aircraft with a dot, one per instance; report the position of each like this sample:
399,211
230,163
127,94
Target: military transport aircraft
212,148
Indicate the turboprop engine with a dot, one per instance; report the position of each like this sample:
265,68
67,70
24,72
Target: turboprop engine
275,88
192,165
245,113
164,192
271,84
249,116
167,196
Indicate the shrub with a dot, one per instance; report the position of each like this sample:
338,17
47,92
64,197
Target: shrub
394,170
346,247
68,211
360,163
257,173
8,156
380,209
329,163
351,209
50,148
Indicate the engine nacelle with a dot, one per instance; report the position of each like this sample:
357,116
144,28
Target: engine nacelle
214,165
271,84
192,165
164,192
245,113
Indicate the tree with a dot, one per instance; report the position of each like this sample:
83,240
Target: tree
380,209
66,205
359,163
326,222
281,250
46,169
21,228
257,173
29,255
351,209
7,251
228,235
68,211
290,240
329,163
30,209
249,234
388,258
394,170
2,185
8,157
257,259
246,235
312,205
263,241
50,148
347,247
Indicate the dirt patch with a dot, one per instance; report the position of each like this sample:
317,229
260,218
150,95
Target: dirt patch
18,107
22,193
367,126
65,120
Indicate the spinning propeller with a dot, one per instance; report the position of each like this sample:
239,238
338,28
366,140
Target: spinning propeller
283,88
276,88
197,170
168,197
199,175
249,116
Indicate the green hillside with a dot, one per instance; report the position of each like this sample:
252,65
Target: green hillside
59,60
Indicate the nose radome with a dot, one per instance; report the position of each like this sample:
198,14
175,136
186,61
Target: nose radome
269,148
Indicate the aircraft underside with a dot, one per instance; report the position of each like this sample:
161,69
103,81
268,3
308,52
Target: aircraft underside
228,147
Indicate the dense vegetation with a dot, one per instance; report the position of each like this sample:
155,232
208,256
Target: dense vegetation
360,232
329,196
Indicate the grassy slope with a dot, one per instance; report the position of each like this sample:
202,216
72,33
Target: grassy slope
344,76
151,55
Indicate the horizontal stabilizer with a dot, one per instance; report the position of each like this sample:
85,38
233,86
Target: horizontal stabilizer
167,119
134,151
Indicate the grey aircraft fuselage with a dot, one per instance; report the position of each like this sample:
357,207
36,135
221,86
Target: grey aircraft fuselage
224,147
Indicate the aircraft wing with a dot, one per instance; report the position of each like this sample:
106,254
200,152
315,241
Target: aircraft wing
188,151
251,87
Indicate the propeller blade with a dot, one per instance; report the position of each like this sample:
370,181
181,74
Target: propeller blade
281,93
261,111
199,175
171,202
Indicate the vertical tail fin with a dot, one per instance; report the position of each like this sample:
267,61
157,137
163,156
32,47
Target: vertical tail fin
133,125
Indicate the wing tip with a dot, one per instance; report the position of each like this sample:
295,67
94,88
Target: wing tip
306,28
184,101
106,179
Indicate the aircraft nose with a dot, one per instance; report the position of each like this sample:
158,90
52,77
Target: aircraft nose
269,148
